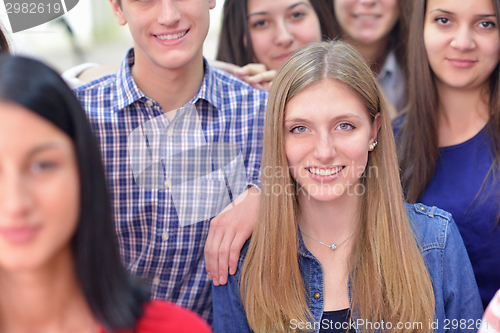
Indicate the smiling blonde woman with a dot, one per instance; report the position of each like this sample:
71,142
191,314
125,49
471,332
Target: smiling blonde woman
334,242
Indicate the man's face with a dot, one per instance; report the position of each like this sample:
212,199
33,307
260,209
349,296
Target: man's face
167,34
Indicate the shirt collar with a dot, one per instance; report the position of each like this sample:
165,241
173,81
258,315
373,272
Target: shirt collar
303,251
208,89
390,66
127,92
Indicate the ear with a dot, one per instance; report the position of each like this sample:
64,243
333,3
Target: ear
375,127
117,11
211,3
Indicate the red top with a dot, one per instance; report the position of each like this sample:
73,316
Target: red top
160,317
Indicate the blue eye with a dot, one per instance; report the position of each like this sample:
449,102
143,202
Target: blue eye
298,129
346,126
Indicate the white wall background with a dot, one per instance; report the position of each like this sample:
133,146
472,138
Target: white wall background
97,36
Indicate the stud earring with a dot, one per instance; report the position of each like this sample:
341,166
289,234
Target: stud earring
372,145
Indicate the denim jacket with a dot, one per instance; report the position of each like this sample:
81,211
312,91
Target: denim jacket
458,305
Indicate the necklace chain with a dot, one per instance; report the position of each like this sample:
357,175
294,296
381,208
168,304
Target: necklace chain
333,246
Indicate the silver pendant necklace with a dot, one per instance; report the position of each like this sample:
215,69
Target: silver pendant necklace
333,246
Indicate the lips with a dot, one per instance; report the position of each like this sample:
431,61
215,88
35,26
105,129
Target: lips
461,63
19,235
367,16
284,56
172,36
324,172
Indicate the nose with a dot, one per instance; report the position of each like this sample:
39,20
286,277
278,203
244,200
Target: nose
368,2
463,39
169,14
14,196
283,37
325,151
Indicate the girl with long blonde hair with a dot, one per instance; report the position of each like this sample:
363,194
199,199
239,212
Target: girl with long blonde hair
335,248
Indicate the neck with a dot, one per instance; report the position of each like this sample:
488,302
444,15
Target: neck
46,300
171,88
329,222
461,113
374,53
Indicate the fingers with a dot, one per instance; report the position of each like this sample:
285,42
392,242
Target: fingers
224,251
234,252
266,76
214,238
225,66
227,234
251,70
263,79
257,77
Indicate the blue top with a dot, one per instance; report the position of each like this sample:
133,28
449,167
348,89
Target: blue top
460,173
444,254
159,238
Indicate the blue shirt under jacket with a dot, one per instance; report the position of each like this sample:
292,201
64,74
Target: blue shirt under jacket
461,186
458,305
464,185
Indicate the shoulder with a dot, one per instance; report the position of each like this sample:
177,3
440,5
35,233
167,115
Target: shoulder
398,123
229,86
433,227
161,316
96,90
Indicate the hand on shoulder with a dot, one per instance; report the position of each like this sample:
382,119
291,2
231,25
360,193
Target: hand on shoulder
256,75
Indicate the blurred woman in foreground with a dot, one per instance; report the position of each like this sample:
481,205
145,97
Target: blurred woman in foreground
60,270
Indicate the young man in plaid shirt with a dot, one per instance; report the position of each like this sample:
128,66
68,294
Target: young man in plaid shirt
161,115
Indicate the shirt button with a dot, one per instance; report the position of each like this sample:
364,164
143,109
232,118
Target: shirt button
156,281
170,132
164,236
149,103
168,183
422,208
317,296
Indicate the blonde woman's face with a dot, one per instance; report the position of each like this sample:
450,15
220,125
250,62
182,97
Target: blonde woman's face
366,22
280,27
39,191
462,41
327,136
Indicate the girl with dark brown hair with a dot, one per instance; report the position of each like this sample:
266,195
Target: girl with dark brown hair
449,139
257,36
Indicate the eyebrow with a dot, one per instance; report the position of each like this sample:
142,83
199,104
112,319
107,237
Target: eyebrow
305,120
450,13
291,7
42,147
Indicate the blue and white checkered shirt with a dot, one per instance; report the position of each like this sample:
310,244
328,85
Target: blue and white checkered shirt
155,243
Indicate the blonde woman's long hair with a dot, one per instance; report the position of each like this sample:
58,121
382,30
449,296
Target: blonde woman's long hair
389,280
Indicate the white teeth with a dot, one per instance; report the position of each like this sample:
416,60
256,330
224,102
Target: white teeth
324,172
170,37
367,17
